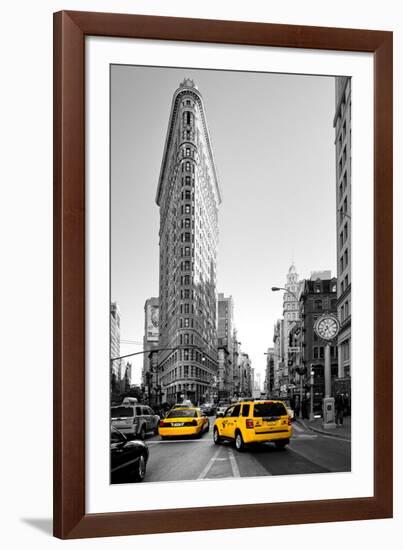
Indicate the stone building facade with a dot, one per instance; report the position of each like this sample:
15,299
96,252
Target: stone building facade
188,196
291,318
225,313
150,342
116,365
342,125
318,296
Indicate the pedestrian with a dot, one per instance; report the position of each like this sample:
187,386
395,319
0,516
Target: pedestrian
304,408
347,404
297,407
339,406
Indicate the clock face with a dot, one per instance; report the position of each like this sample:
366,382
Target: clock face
327,328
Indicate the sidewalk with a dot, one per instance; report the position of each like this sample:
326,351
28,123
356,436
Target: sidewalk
343,431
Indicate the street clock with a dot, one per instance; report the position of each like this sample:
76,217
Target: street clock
327,327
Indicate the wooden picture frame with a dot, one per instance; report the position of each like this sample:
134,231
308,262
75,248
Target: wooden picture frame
70,517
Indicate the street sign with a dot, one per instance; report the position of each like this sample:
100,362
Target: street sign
294,349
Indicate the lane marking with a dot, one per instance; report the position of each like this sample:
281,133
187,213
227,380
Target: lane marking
209,464
234,465
297,427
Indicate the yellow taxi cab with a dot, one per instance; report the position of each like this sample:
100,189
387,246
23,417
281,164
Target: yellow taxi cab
254,422
182,421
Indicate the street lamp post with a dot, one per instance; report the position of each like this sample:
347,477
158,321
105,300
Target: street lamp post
311,415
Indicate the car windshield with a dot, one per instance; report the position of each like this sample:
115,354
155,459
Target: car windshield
116,437
182,413
269,409
121,412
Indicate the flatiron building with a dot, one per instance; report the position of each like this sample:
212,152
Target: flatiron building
188,197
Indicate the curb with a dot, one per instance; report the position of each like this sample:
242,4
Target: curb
331,434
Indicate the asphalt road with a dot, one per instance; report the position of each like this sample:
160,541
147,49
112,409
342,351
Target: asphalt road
191,459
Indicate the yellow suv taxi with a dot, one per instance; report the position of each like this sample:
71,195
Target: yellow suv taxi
254,422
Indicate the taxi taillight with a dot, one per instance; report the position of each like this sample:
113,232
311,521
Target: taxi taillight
194,423
249,423
161,423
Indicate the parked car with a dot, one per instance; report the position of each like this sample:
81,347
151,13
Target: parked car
254,422
184,421
128,458
133,419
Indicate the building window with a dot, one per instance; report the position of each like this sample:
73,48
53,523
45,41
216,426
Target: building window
318,304
187,208
187,180
316,352
188,151
321,352
187,117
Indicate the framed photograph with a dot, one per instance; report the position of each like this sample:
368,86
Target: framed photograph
222,274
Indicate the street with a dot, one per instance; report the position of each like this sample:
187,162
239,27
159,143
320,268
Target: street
191,459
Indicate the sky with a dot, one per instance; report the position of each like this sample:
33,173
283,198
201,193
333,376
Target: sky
273,144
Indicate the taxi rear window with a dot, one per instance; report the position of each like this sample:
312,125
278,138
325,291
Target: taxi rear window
269,409
182,414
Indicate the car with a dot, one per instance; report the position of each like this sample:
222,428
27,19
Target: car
250,422
208,409
133,419
185,405
185,421
290,410
221,408
128,458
